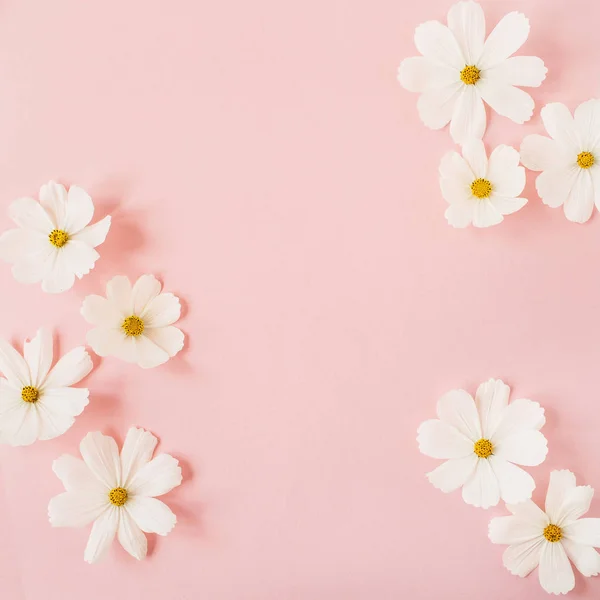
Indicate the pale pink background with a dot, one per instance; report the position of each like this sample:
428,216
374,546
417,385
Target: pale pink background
261,159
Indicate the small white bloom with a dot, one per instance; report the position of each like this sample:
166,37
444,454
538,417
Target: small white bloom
36,401
117,492
570,161
134,324
54,242
460,69
481,439
479,191
549,539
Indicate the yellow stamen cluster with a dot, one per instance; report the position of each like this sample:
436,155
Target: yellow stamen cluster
585,160
30,394
553,533
117,496
58,238
483,448
470,75
481,188
133,326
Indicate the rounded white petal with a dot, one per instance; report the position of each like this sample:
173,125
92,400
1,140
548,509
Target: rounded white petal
75,474
77,508
52,423
585,558
151,515
453,473
13,365
118,292
37,263
516,485
61,276
454,167
529,512
507,177
137,451
468,117
170,339
485,214
97,310
102,535
80,209
560,485
10,397
482,489
473,152
505,39
520,415
507,206
527,448
556,574
575,505
456,192
440,440
131,537
457,408
38,355
101,455
584,531
587,123
460,214
157,477
107,342
554,186
595,174
436,106
540,153
579,205
436,42
28,213
467,22
64,401
526,71
560,125
148,354
418,74
510,530
161,311
70,369
520,559
491,400
507,100
145,290
53,197
95,234
17,243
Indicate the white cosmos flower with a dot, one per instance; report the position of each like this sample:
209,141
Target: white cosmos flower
549,539
479,191
480,440
460,69
569,161
37,401
54,242
117,492
134,324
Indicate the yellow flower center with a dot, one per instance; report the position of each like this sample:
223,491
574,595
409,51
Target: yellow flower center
118,496
483,448
133,326
481,188
470,75
553,533
585,160
58,238
30,394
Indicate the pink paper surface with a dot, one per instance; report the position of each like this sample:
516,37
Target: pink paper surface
262,160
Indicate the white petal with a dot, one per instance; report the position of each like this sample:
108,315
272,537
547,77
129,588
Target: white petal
95,234
28,213
507,100
520,415
584,531
97,310
77,508
101,455
131,537
436,106
595,174
485,214
453,473
151,515
170,339
507,206
148,354
61,276
468,117
145,290
554,186
137,451
491,400
587,122
10,397
529,512
516,485
107,342
102,535
39,354
70,369
580,203
13,365
526,71
52,424
527,448
118,292
74,473
520,559
467,22
560,485
16,243
560,126
20,427
575,505
80,209
540,153
436,42
37,263
585,558
65,401
161,311
460,214
455,168
440,440
482,490
505,39
457,408
510,530
157,477
79,257
474,153
507,177
53,197
556,574
418,74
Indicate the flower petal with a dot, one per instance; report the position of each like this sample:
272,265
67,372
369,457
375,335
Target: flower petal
522,558
529,512
436,106
507,177
65,401
170,339
474,153
526,71
560,485
151,515
482,490
560,125
520,415
101,455
145,290
97,310
157,477
28,213
74,473
527,448
554,186
491,400
418,74
161,311
453,473
118,291
453,167
595,174
584,531
468,117
436,42
587,122
137,451
37,263
13,365
38,355
467,22
507,206
131,537
556,574
77,508
576,503
53,198
107,342
457,408
507,100
148,354
540,153
579,205
20,426
460,214
585,558
17,243
516,485
52,423
510,530
505,39
10,397
95,234
60,277
102,535
80,209
485,214
70,369
440,440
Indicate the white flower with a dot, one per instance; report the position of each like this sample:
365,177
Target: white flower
478,191
36,401
134,324
459,68
481,440
549,539
570,161
117,492
54,242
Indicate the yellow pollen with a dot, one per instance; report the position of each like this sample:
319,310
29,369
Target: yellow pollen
30,394
481,188
133,326
553,533
483,448
58,238
470,75
118,496
585,160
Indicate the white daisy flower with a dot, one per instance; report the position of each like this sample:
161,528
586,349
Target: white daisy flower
460,69
549,539
117,492
54,242
481,439
479,191
569,161
134,324
37,401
